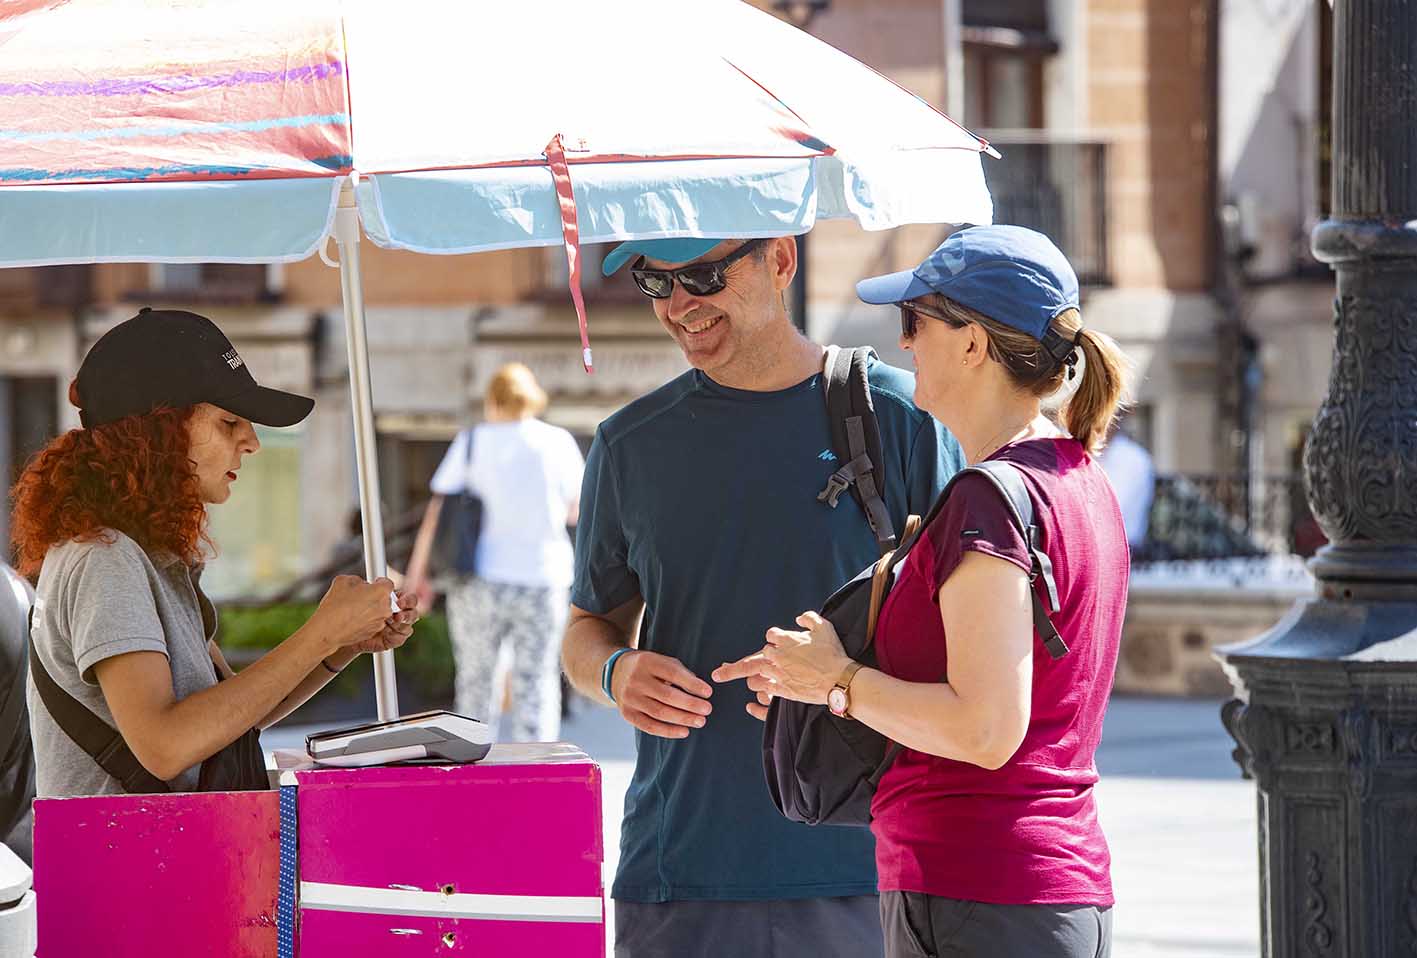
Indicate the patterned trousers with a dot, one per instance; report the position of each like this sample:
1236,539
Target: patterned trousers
486,618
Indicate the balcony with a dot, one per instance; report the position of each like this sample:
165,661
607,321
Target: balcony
222,284
1058,188
1208,518
44,287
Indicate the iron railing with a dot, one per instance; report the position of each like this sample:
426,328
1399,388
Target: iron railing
1223,517
1057,188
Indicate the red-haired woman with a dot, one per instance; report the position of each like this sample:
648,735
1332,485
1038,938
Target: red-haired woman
128,691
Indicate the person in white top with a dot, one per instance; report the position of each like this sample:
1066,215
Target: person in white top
1129,467
528,476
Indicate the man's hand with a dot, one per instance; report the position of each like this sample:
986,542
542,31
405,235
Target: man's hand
658,695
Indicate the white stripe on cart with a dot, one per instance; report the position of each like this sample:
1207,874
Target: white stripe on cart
323,896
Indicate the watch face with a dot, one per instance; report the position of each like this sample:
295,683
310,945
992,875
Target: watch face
836,701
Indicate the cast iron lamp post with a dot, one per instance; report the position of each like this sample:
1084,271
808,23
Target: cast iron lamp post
1326,708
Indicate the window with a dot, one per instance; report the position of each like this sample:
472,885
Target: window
595,287
215,282
25,289
1325,118
29,418
1006,43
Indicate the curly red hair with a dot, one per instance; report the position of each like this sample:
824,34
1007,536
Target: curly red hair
133,475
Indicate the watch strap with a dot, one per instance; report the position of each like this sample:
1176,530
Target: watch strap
847,674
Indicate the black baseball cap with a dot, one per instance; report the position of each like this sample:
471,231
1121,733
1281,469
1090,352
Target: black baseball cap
170,357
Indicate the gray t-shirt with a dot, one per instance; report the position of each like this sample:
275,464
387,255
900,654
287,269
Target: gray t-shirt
96,600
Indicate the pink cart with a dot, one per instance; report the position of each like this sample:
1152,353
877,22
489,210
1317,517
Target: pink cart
487,859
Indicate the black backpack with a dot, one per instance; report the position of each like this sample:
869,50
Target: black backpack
824,770
856,439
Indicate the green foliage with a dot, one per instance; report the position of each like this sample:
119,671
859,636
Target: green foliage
426,659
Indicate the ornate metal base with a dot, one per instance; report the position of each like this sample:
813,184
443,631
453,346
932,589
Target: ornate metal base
1327,726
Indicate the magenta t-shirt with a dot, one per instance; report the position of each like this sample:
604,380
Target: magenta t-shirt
1026,833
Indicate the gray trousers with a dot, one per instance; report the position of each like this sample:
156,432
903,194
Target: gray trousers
787,928
484,617
924,926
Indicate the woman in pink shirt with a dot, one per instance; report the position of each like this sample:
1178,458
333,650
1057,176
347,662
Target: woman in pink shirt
987,839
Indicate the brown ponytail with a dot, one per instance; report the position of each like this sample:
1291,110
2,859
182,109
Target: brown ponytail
1104,369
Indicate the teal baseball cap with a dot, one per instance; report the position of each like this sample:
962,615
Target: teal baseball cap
672,251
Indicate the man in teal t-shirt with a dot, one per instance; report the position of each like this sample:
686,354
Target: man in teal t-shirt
700,510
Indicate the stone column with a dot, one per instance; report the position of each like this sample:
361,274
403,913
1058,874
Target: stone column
1325,714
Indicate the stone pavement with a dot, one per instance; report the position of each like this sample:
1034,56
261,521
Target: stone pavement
1180,820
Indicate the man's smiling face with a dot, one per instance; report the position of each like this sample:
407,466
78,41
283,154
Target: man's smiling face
714,330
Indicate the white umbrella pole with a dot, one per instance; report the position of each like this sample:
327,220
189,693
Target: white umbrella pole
362,402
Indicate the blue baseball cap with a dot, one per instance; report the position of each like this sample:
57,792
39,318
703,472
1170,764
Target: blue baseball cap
1013,275
671,251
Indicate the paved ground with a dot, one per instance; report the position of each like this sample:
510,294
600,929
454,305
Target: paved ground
1180,820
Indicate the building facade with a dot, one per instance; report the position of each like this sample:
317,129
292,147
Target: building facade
1169,147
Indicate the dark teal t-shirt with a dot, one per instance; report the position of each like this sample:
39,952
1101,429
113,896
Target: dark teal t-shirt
703,500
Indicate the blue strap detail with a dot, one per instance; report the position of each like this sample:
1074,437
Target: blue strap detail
285,900
608,671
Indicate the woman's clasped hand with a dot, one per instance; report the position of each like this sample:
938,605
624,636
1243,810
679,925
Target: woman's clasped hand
357,615
798,665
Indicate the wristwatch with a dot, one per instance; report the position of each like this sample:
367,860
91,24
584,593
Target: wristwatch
839,698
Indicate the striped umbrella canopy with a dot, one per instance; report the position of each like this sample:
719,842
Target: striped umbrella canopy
213,131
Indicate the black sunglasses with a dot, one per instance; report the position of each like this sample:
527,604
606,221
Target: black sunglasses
909,311
699,279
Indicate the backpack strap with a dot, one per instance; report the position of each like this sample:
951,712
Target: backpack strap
1009,482
104,745
856,439
885,565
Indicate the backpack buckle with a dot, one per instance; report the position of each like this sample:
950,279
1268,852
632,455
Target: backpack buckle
836,485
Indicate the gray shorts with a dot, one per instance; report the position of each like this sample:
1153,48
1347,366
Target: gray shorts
924,926
783,928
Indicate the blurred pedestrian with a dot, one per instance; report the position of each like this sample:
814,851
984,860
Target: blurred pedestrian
527,475
1132,473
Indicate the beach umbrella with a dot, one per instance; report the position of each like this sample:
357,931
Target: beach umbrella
212,131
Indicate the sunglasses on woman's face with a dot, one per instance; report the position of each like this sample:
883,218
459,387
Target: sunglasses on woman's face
698,279
909,313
